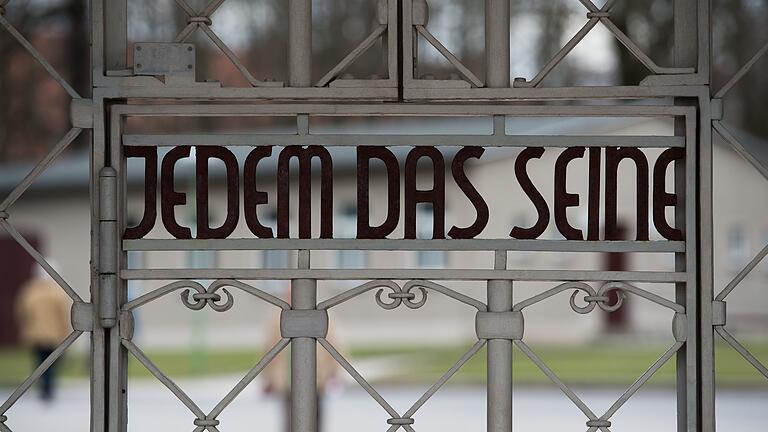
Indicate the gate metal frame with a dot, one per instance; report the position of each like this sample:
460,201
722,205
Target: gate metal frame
699,315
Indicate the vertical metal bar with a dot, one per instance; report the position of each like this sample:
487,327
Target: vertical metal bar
303,357
98,337
499,355
97,49
116,38
300,43
705,225
497,33
408,53
706,272
705,40
686,33
108,250
693,388
686,55
117,393
681,288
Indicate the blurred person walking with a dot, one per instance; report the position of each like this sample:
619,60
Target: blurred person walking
43,316
277,374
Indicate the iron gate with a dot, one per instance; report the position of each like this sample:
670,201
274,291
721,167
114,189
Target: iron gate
161,83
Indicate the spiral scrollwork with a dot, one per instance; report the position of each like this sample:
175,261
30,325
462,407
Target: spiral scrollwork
210,297
400,296
592,298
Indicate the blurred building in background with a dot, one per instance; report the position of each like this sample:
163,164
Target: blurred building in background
54,215
56,212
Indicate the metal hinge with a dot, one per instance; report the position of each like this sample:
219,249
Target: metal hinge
108,245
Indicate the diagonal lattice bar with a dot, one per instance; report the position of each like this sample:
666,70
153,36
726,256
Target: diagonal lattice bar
44,366
38,257
742,274
362,381
202,20
629,43
743,71
443,379
640,382
229,54
599,15
249,377
445,52
167,382
40,168
640,54
569,46
558,382
742,350
739,147
575,40
39,57
352,57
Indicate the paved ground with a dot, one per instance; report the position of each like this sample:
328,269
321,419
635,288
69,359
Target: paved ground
153,408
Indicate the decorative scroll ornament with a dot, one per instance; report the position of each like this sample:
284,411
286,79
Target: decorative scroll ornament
599,298
400,295
210,297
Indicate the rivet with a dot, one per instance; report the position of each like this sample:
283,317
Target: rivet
138,47
189,48
4,215
189,66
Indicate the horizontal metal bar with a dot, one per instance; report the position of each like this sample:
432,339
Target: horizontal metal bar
404,110
344,140
399,274
126,88
406,244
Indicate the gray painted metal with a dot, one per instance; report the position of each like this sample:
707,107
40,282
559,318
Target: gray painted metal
699,314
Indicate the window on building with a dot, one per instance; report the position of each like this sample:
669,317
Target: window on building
737,247
345,227
274,258
199,259
424,223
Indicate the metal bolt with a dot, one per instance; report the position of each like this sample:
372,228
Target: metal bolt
138,47
189,66
139,66
189,48
3,418
4,215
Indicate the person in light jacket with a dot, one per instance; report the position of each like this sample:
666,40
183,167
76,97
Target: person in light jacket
43,316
